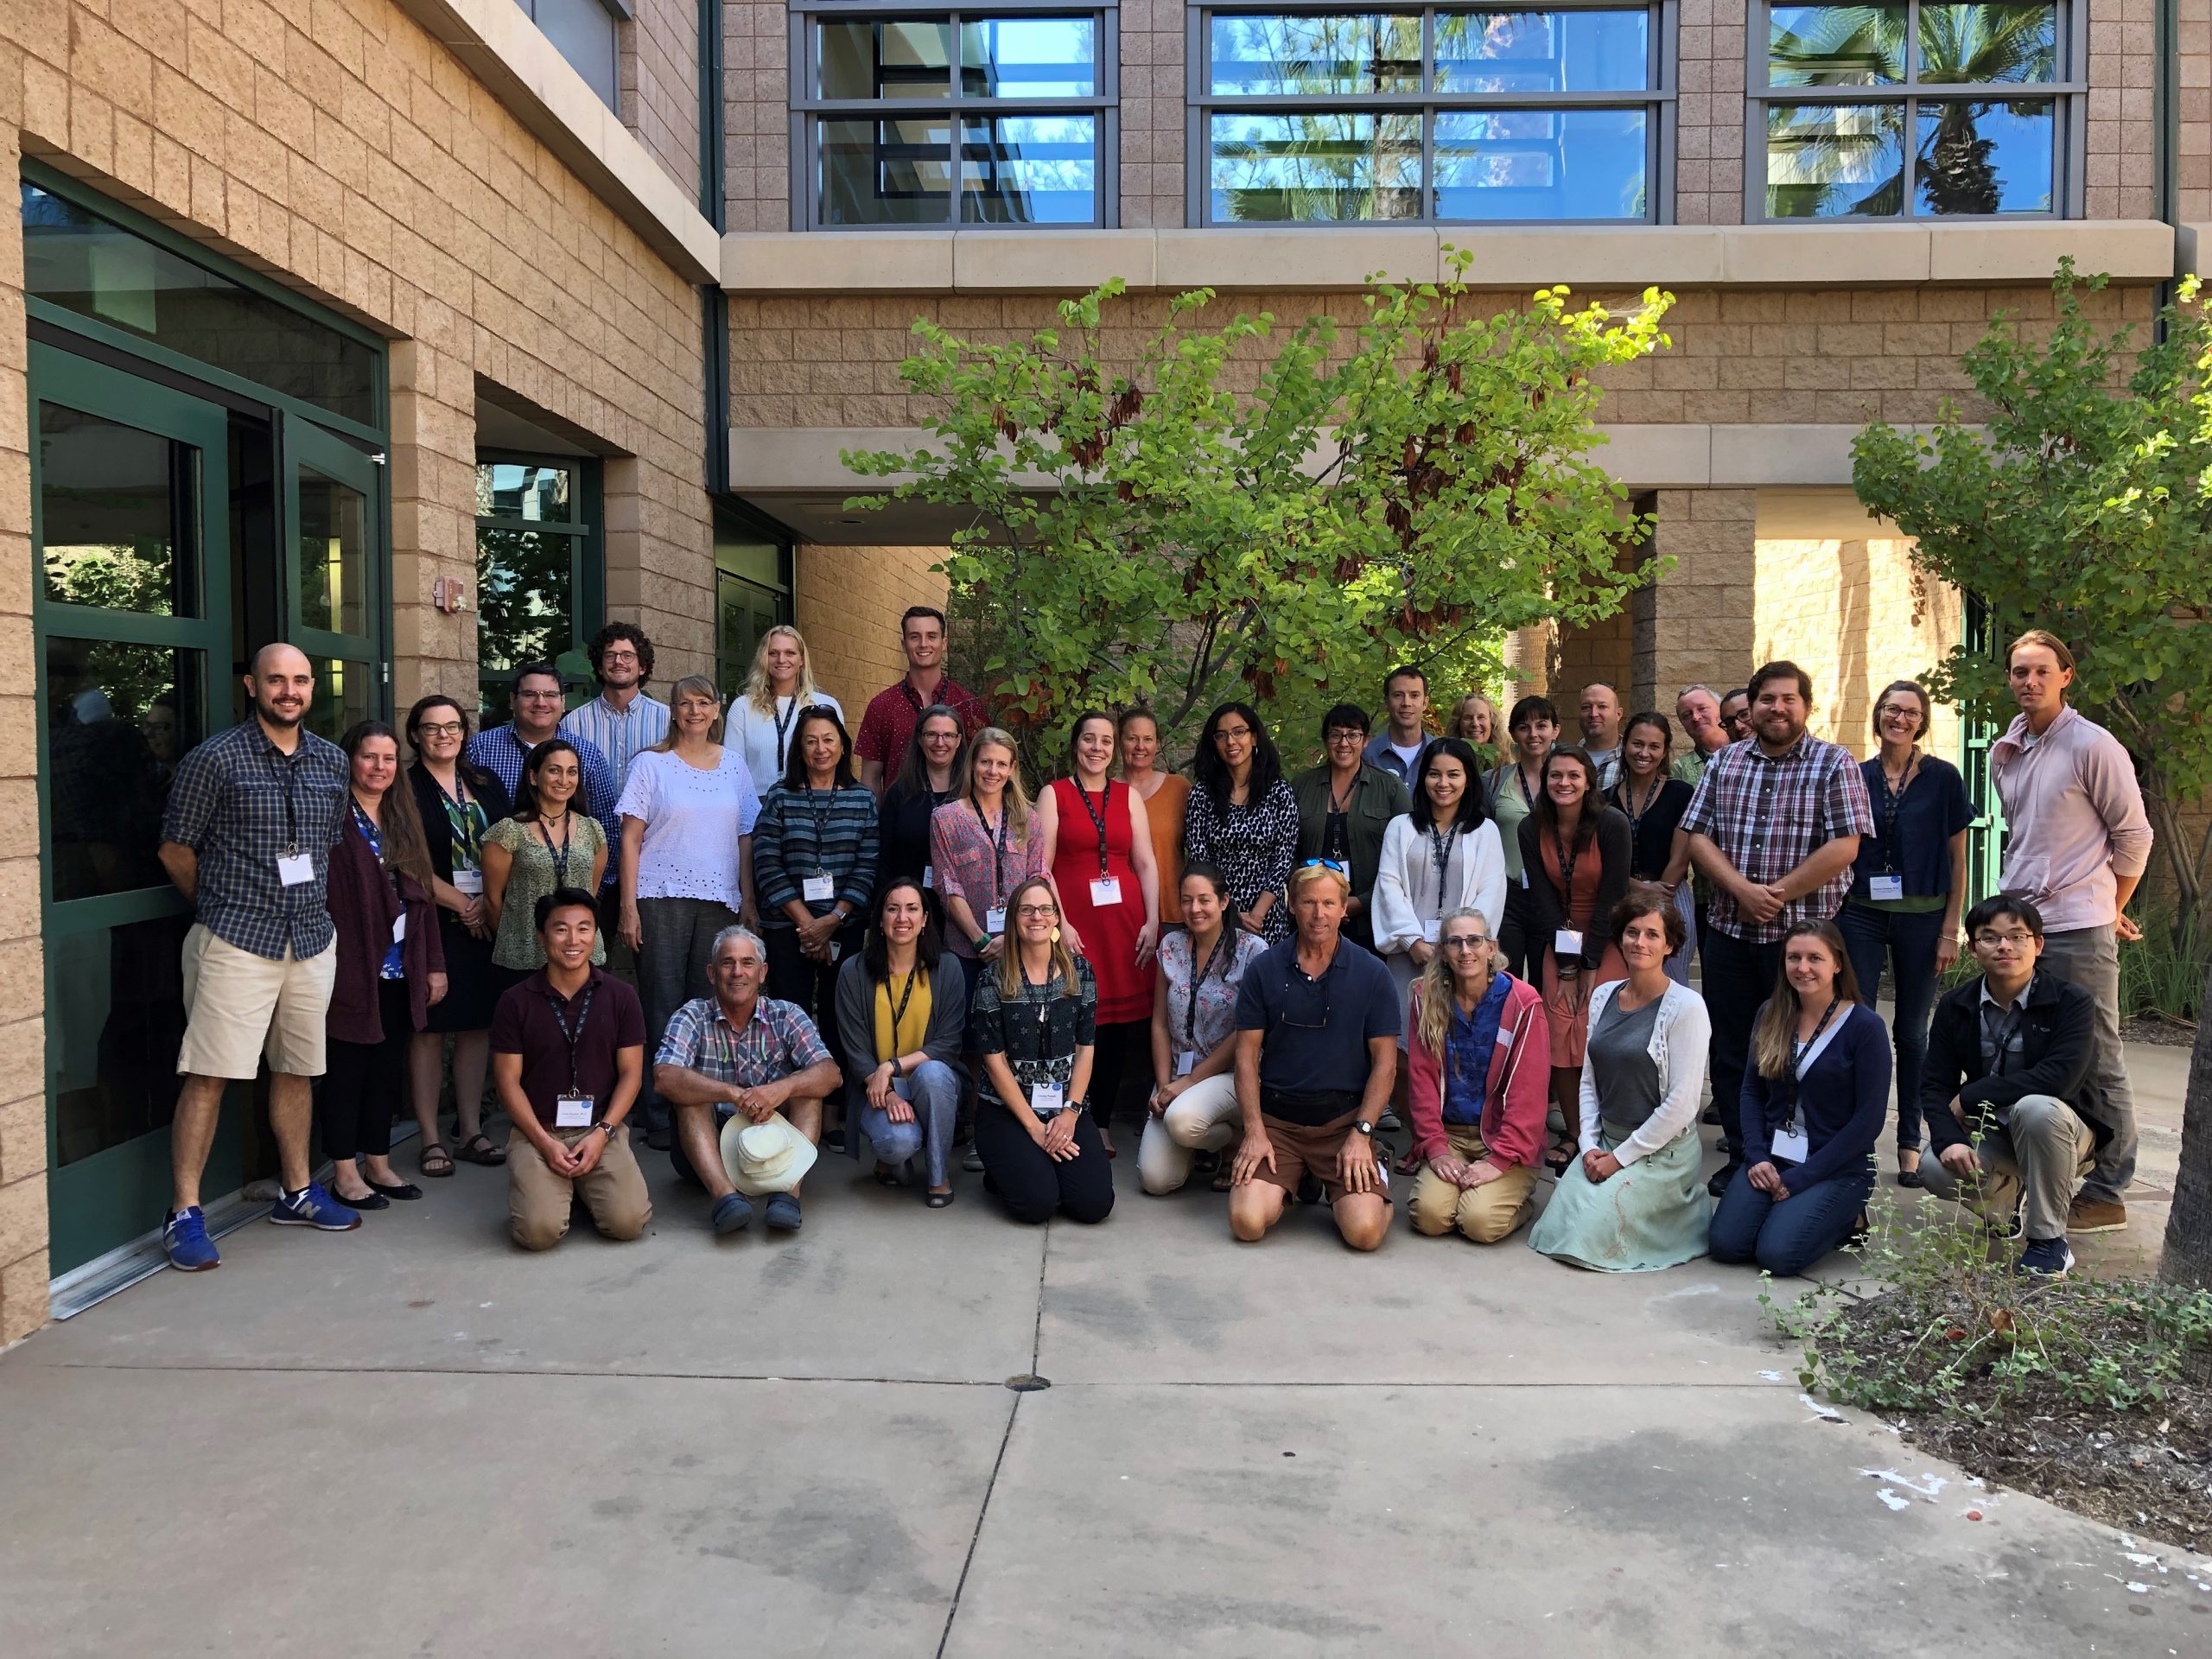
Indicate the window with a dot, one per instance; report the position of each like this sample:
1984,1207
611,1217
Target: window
583,31
1914,110
1431,115
1002,117
537,572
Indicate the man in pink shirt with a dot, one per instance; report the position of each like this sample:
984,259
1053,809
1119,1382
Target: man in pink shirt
2076,844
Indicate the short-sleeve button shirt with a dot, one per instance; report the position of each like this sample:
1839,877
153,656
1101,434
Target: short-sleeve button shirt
778,1040
1768,814
240,803
887,723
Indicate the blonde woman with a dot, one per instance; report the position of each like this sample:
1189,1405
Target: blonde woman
1475,719
762,722
686,819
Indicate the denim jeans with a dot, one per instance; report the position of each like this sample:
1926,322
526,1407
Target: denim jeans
1907,941
1789,1237
933,1090
1738,976
678,934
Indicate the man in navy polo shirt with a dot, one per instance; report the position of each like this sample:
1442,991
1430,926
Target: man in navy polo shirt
1317,1048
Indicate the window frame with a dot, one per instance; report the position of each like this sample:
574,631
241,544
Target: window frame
586,530
2069,125
1658,101
807,109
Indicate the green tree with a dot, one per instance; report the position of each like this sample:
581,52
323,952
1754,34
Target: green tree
1141,531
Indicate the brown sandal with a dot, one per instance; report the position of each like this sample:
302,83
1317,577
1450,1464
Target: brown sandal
434,1161
491,1156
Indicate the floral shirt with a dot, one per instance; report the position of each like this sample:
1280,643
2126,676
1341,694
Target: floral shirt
1202,1031
1038,1029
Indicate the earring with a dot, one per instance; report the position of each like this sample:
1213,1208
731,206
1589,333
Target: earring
1055,936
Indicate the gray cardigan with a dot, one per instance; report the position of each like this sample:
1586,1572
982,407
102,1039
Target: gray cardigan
856,1026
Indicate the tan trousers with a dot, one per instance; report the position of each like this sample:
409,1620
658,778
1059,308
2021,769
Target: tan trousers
538,1201
1486,1214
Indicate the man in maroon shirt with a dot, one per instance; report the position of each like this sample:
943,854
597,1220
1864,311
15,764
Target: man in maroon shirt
889,725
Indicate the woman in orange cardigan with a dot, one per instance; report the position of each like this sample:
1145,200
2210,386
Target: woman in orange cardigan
1479,1058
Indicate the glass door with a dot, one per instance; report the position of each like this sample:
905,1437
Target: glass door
130,499
332,508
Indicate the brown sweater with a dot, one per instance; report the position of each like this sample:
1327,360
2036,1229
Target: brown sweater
363,907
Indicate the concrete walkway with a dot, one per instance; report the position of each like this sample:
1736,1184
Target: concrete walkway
412,1440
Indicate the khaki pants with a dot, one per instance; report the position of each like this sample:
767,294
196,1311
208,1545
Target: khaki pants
1486,1214
538,1201
2030,1166
239,1007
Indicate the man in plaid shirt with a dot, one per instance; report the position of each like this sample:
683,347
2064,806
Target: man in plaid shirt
737,1050
1774,825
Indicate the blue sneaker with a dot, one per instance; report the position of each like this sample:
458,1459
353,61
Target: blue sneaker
2047,1258
732,1213
312,1207
184,1236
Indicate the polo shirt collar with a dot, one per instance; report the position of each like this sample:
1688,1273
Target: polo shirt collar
544,985
2027,992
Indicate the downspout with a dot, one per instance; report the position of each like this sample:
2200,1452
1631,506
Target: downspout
714,307
2165,95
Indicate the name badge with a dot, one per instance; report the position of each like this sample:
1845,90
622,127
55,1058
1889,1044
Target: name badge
294,869
816,888
1046,1099
1186,1062
1106,890
929,877
468,883
1792,1146
995,919
837,950
572,1111
1567,941
1885,886
399,928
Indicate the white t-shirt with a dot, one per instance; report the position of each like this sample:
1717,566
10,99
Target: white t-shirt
693,819
753,733
1408,756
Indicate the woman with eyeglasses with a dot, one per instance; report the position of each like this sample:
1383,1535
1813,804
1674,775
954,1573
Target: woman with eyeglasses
924,783
1098,836
547,843
1035,1024
1632,1202
1202,966
1242,818
1479,1087
457,804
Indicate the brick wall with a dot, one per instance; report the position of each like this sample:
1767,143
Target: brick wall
340,148
1701,615
660,86
756,115
2193,154
2120,147
848,604
1154,96
1711,113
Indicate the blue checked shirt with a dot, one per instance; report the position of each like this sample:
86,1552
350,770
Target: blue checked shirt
500,751
1768,814
240,803
776,1041
621,734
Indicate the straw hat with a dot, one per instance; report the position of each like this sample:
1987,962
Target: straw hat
770,1157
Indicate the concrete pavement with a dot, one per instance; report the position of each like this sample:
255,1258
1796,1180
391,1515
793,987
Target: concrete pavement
413,1440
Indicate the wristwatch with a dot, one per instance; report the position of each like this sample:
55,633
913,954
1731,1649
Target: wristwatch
605,1128
1361,1127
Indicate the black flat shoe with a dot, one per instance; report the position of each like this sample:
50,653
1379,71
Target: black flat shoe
1721,1177
375,1200
887,1177
406,1192
937,1200
1910,1177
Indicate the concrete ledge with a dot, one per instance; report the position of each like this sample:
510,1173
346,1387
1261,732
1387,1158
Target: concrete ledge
2005,252
1031,261
1585,255
838,262
521,68
1294,258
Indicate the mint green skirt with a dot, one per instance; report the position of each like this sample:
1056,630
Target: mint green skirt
1651,1215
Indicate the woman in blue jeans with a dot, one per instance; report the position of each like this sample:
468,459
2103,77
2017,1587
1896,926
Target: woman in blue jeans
1907,890
1815,1096
902,1005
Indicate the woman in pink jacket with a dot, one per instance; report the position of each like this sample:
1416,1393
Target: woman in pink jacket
1479,1062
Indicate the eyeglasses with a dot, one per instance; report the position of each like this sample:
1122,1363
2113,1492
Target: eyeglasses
1027,911
442,728
1467,942
2016,941
1222,732
1324,864
1346,735
1290,995
538,696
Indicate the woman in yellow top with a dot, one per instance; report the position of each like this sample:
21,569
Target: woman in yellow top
902,1005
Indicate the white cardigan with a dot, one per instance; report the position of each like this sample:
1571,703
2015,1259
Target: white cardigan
1406,902
1680,1038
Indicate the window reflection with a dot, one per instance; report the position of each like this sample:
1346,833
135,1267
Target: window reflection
114,1023
117,717
117,515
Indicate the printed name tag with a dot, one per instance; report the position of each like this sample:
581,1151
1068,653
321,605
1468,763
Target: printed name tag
468,883
995,919
572,1111
294,869
1567,941
1046,1099
1792,1146
837,950
1106,890
816,888
929,877
1186,1062
1885,886
399,928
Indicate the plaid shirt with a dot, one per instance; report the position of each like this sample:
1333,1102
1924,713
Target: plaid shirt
618,736
1768,814
240,803
776,1041
500,751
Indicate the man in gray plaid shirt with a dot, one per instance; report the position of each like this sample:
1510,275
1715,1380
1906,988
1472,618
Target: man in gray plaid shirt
1774,825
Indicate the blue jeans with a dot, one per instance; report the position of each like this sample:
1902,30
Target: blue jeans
1786,1238
1908,941
933,1090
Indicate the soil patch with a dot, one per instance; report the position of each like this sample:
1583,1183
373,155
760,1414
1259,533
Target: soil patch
2160,1032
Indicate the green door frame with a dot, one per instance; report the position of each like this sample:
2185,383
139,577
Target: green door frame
1977,736
304,444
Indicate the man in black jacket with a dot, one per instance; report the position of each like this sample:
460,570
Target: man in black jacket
2008,1056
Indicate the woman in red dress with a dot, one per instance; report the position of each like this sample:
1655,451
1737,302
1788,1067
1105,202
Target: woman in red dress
1098,853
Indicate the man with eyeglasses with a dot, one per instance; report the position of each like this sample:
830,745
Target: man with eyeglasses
1317,1048
1344,806
2008,1055
622,721
536,706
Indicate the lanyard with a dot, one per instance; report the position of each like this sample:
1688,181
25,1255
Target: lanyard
1797,1052
290,770
998,849
1564,845
1624,798
784,723
1521,777
1098,815
899,1014
821,835
573,1038
1336,838
1439,849
462,820
1890,801
1198,980
559,857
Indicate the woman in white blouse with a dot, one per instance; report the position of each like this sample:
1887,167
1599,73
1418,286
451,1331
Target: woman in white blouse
762,721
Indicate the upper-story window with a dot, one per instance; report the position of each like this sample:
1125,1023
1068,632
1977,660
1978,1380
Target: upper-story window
1430,114
1914,110
1001,117
583,32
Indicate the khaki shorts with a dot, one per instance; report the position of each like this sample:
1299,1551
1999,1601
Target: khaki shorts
1301,1150
240,1006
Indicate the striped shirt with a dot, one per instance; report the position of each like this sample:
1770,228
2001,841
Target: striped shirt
804,833
776,1041
1768,814
621,734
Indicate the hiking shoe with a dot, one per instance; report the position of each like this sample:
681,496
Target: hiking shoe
1721,1177
732,1213
1388,1120
312,1207
972,1161
184,1236
2046,1258
783,1212
2095,1216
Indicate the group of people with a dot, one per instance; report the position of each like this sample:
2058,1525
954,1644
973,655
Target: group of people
760,936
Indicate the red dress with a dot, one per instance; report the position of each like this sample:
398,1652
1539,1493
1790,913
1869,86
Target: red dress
1109,935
